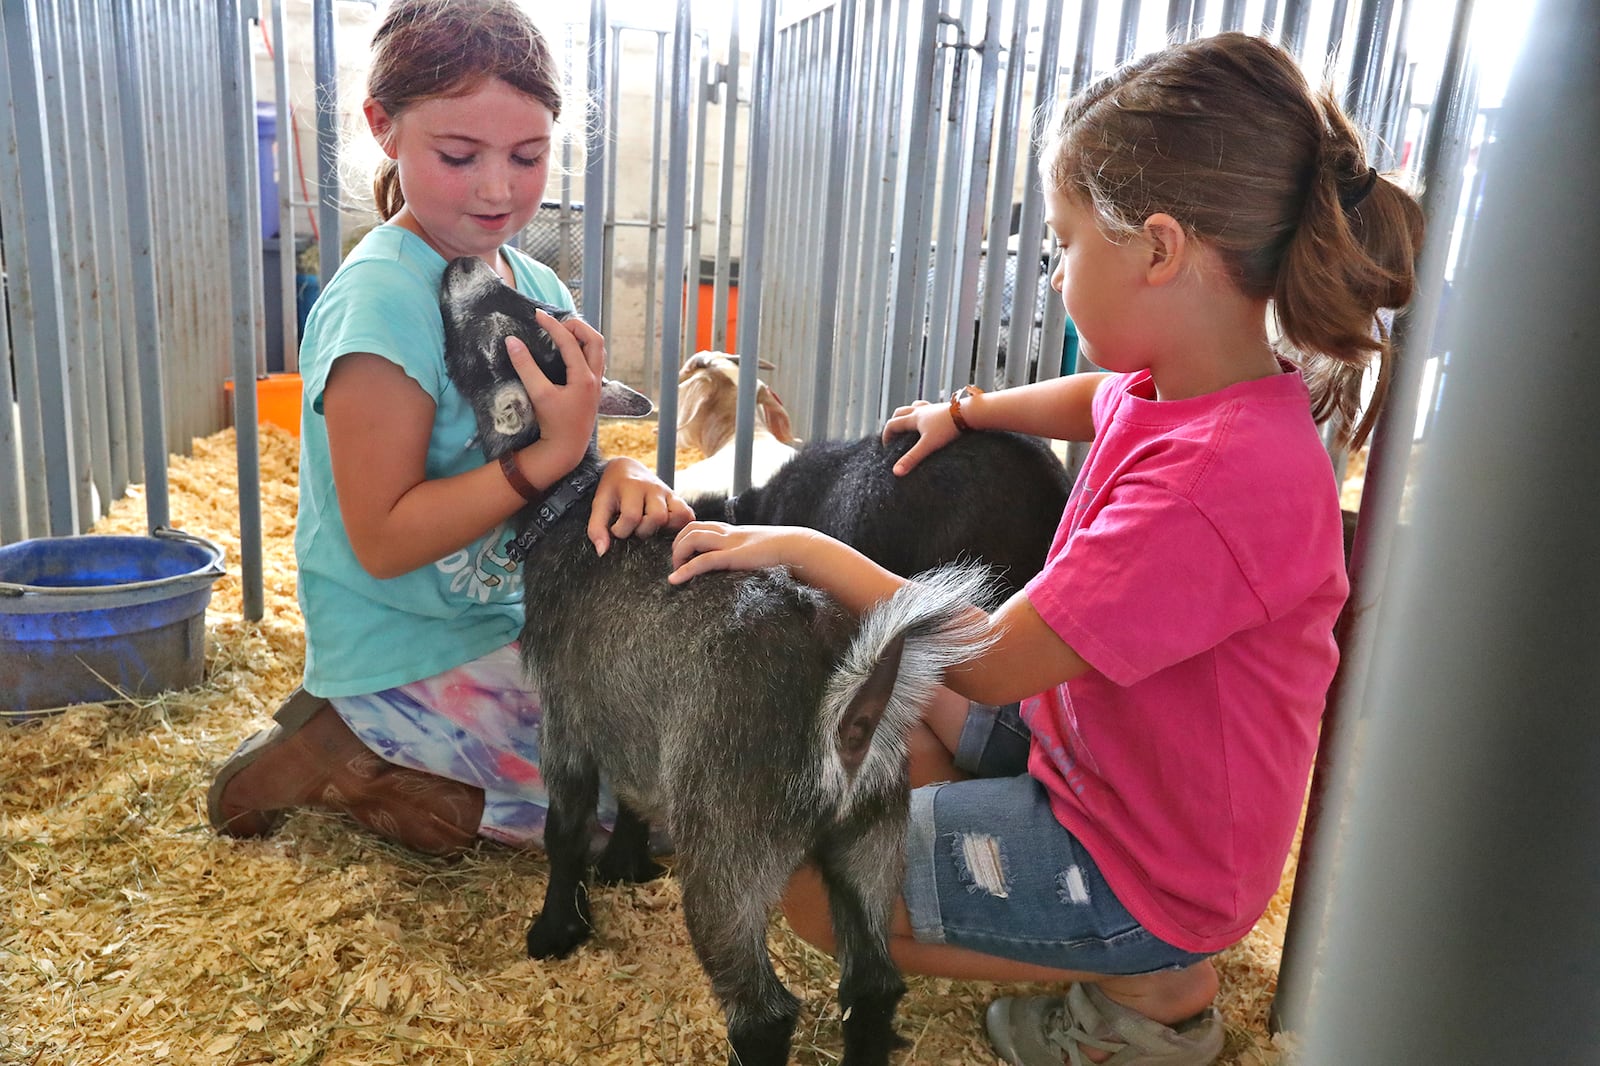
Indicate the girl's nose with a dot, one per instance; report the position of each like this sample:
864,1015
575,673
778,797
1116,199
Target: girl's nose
1058,276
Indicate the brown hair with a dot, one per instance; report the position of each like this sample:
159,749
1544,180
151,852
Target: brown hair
1224,134
430,48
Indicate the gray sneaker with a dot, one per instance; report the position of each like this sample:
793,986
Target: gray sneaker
1052,1030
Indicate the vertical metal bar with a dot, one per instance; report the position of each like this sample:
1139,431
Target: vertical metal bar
1366,65
1232,15
900,382
613,99
998,251
288,309
652,281
1296,13
1053,328
1461,899
147,315
127,365
939,370
1030,234
723,282
12,518
37,286
755,233
843,99
966,303
852,358
20,508
1269,18
326,72
595,260
1336,27
696,222
97,101
1128,31
239,137
62,140
674,285
1450,125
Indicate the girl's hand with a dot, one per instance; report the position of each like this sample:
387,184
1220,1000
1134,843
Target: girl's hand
631,501
567,412
931,422
701,547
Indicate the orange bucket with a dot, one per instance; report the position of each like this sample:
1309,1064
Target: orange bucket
277,401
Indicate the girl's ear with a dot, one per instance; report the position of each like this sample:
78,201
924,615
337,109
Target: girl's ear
381,125
1169,245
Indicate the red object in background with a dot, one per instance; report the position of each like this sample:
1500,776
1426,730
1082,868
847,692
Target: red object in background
702,329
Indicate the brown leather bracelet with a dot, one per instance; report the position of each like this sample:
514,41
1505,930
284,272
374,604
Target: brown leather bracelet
955,405
513,473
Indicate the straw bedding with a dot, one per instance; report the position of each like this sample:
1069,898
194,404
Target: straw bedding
133,934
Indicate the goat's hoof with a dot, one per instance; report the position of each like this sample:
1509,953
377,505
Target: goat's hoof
550,938
635,870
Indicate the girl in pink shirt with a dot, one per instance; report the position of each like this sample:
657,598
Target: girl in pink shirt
1112,787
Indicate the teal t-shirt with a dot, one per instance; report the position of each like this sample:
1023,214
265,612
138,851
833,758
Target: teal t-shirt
365,634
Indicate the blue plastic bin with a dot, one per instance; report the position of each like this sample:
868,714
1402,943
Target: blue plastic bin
267,163
95,618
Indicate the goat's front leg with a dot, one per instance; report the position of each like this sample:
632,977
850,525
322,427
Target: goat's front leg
863,866
626,858
565,920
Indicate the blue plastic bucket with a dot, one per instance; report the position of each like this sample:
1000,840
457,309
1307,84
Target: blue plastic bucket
97,618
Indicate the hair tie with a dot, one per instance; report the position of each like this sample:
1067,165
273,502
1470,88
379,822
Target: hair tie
1351,197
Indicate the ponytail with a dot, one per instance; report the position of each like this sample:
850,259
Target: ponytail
1353,254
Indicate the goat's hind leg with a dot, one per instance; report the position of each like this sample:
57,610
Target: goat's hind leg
863,867
626,858
573,783
726,905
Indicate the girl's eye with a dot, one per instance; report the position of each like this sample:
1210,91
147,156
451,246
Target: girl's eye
454,161
526,161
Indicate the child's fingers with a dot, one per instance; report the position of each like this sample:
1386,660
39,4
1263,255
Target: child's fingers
529,372
592,343
924,447
903,420
579,363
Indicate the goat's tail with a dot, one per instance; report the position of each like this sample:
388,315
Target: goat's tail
890,671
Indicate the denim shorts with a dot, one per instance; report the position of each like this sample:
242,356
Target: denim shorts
989,868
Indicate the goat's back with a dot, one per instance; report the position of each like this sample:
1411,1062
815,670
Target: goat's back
991,496
726,669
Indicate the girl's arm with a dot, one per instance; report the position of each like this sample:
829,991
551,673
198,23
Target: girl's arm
379,423
1025,657
1061,409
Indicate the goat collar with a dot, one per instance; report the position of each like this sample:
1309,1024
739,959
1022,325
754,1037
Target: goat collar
566,492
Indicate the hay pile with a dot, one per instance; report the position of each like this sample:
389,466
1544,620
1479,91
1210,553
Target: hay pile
133,934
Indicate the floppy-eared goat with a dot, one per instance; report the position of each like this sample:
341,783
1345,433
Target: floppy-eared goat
759,721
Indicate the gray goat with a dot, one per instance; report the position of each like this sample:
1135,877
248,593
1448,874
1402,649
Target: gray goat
754,717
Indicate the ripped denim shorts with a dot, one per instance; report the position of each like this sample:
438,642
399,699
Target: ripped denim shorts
989,868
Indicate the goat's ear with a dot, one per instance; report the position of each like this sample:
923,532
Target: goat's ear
777,415
697,361
860,721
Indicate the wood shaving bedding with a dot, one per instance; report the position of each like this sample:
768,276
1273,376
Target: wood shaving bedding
134,934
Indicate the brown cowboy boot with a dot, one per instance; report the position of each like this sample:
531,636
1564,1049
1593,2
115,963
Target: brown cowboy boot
312,759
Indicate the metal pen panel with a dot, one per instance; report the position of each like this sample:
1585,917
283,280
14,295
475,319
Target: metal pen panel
595,161
755,225
288,149
938,361
900,381
131,64
90,355
723,279
700,98
325,62
832,217
39,338
1128,31
677,202
999,251
61,137
1232,15
1030,233
239,157
1366,64
1296,13
977,185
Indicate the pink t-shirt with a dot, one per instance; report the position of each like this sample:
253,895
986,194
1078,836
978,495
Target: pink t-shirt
1199,570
